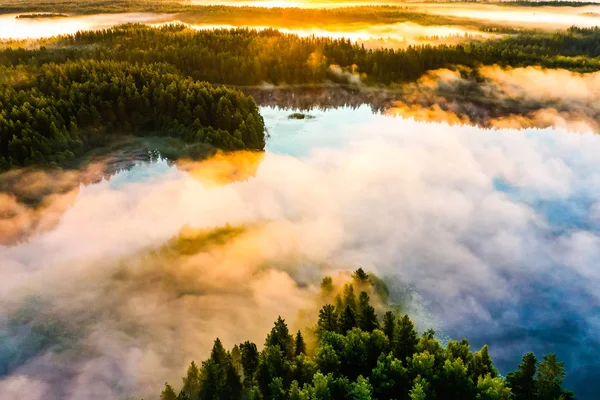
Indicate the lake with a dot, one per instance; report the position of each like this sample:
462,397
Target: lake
492,235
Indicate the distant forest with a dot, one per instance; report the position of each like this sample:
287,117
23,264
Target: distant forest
251,57
352,353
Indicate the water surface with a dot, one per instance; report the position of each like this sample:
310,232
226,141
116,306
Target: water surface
492,235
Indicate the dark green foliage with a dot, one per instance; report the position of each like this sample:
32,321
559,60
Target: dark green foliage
481,364
387,364
280,337
349,298
406,339
389,377
347,320
299,345
328,320
367,318
360,276
43,15
70,108
389,327
522,381
250,359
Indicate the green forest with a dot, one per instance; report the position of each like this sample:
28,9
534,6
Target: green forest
54,113
83,91
251,57
352,353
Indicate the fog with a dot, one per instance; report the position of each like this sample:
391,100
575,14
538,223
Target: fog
398,35
492,235
394,36
30,28
529,17
493,96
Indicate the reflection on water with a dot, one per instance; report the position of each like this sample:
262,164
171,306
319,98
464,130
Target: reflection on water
326,128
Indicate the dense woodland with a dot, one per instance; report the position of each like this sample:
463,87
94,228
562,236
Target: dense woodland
60,111
250,57
82,91
352,353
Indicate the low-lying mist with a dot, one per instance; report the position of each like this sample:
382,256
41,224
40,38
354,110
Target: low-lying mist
492,96
31,28
492,235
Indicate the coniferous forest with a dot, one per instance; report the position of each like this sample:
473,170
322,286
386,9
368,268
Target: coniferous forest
63,110
354,353
83,91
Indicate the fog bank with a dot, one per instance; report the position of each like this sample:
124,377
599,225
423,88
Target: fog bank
495,231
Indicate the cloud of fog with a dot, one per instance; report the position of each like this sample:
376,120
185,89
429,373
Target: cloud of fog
348,75
497,97
373,36
518,16
481,225
28,28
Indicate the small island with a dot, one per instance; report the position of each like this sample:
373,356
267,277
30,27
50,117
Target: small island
300,116
41,15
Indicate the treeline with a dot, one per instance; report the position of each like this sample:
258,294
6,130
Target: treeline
61,111
250,57
92,7
190,12
358,355
37,16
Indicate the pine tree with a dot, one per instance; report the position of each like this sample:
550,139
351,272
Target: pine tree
389,326
168,393
300,346
191,383
349,298
360,276
327,286
367,318
522,381
549,379
328,320
280,336
406,338
210,381
250,361
347,320
481,364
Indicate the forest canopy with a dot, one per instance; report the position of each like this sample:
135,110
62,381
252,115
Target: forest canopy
78,92
55,113
252,57
353,353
